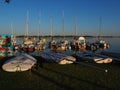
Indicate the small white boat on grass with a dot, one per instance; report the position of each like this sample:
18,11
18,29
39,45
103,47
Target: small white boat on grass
58,57
22,62
90,56
114,55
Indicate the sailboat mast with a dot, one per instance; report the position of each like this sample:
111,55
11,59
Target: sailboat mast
100,24
51,26
12,28
39,27
75,28
63,23
27,24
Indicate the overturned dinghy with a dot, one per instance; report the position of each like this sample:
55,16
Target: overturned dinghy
22,62
90,56
114,55
58,57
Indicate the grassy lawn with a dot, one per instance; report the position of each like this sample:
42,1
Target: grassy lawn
52,76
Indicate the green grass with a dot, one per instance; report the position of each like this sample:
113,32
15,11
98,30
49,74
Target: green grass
53,76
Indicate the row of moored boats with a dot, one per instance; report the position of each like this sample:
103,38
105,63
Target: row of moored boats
79,43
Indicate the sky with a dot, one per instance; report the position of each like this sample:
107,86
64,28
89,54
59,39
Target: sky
13,16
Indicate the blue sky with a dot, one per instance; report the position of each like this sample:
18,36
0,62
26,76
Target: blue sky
87,13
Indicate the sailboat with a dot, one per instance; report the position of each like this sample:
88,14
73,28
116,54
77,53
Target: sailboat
16,46
28,45
41,42
63,44
79,43
100,42
52,43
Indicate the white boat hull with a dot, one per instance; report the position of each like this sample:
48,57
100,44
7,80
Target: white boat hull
22,62
93,57
57,57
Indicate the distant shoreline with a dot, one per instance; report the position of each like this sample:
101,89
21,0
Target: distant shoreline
70,36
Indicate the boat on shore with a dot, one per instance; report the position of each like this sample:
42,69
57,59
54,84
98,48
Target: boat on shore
90,56
114,55
58,57
19,63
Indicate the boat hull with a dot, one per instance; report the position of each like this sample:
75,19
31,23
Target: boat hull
22,62
58,57
89,56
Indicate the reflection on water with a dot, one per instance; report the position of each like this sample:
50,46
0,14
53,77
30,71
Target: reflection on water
114,44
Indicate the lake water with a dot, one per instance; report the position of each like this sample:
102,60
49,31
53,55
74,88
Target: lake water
114,42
